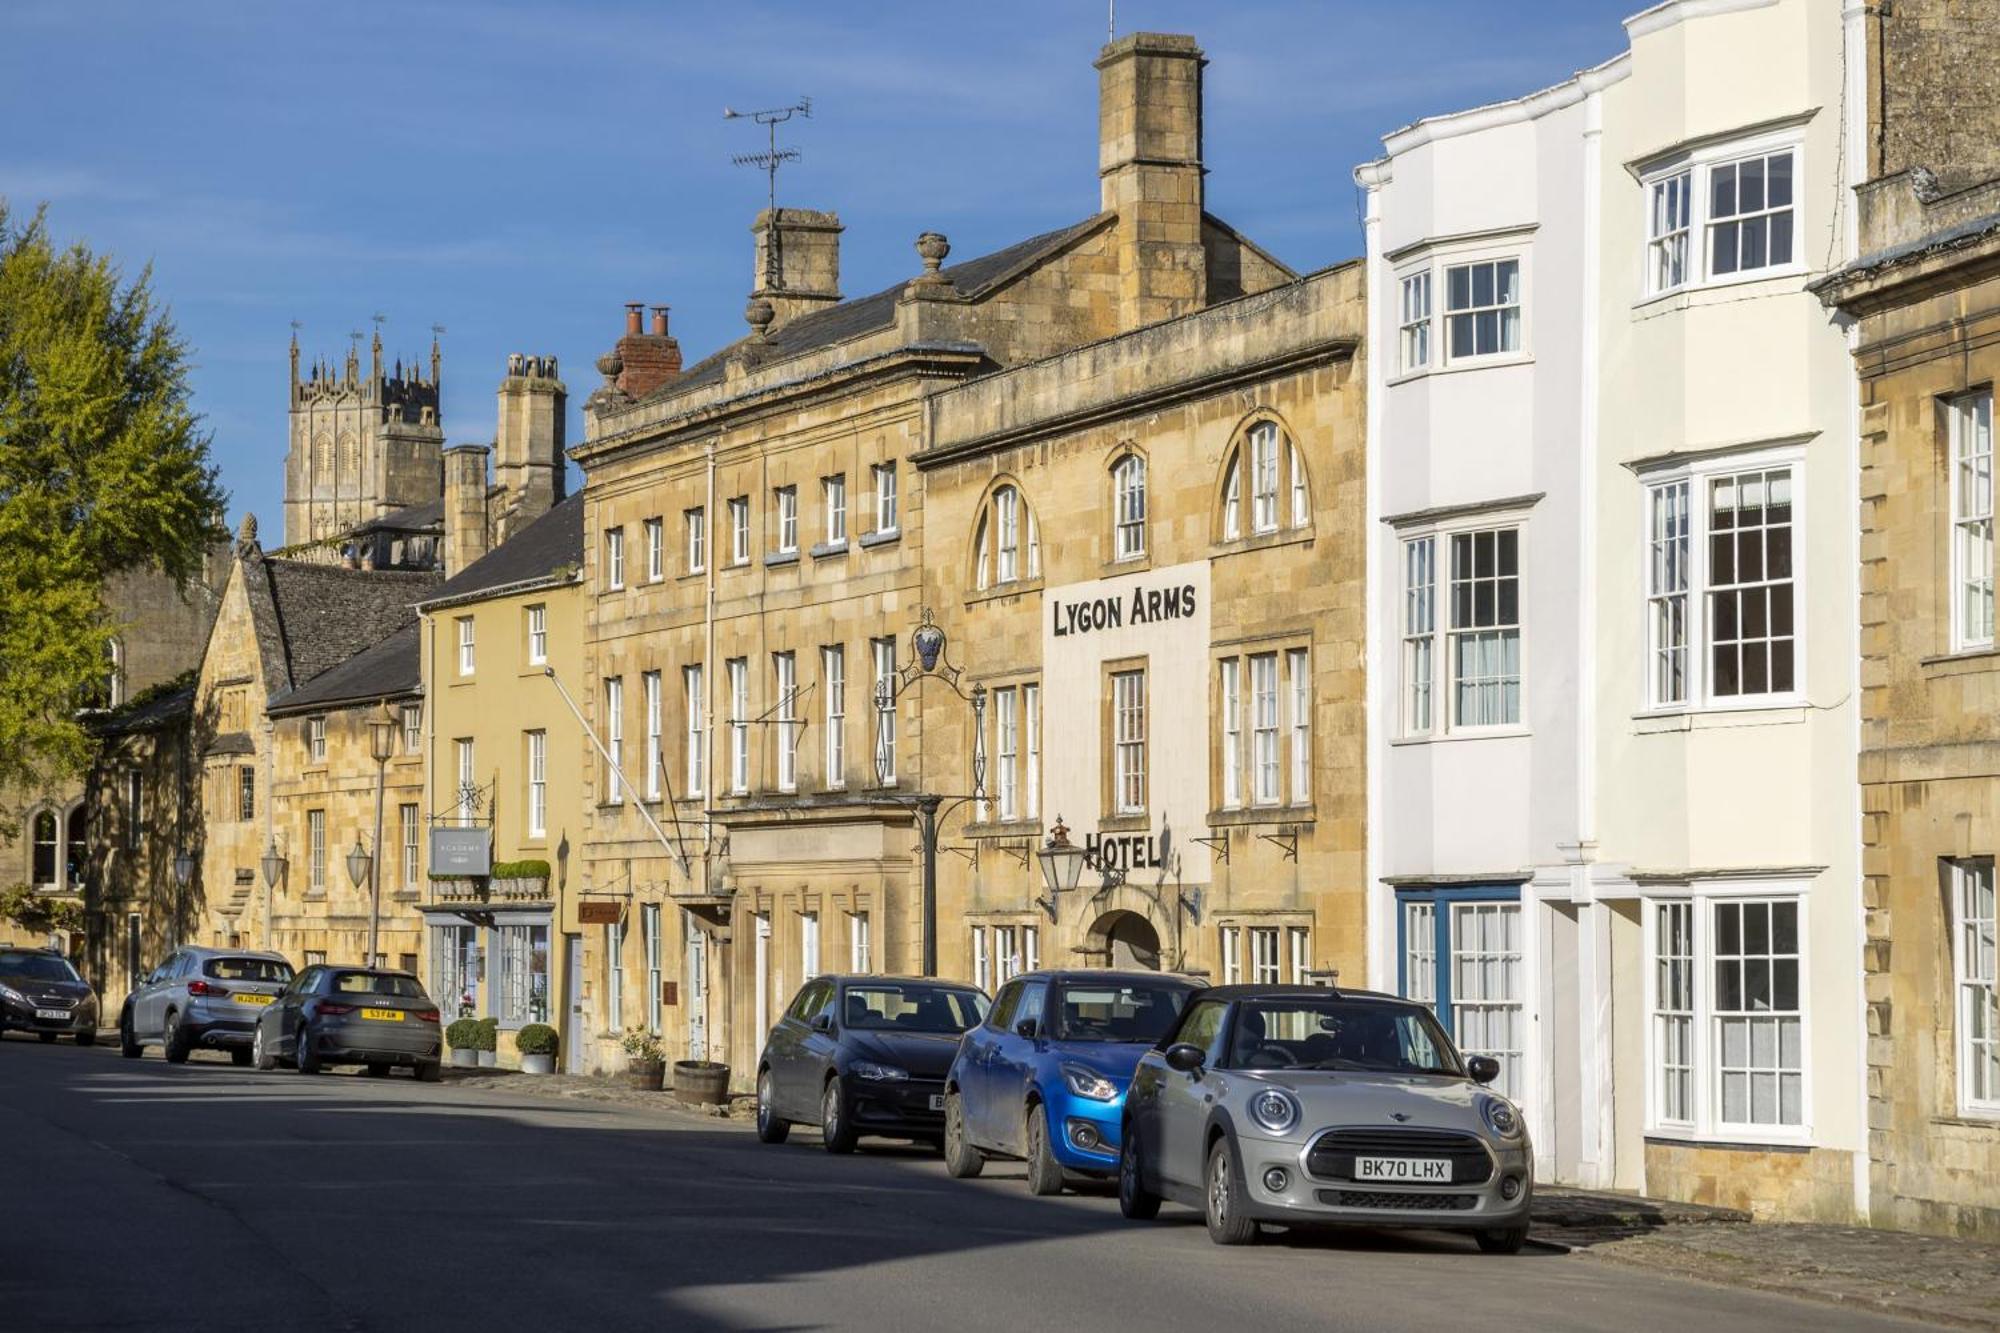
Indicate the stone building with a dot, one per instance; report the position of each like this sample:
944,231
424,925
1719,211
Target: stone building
500,643
362,446
1924,297
757,552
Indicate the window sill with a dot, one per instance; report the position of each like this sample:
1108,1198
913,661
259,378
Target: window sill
776,558
1025,826
882,537
1688,296
611,588
698,572
1248,816
1261,541
1130,564
1497,361
1465,734
1001,591
1794,1140
826,550
1967,661
1715,717
1136,823
1980,1118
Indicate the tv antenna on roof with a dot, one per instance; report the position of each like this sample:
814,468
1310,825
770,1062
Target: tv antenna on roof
773,157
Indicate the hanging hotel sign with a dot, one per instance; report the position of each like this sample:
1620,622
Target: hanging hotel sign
461,851
590,913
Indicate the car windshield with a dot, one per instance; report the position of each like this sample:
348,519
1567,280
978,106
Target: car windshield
37,967
905,1006
247,969
1124,1011
377,983
1342,1034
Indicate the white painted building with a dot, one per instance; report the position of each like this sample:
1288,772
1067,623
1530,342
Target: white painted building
1612,592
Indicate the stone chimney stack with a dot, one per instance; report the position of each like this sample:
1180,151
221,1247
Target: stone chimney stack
528,448
1150,172
798,262
647,360
465,521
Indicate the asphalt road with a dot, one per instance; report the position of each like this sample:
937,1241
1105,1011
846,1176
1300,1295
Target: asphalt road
206,1197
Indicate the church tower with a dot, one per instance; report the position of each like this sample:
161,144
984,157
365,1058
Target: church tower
361,445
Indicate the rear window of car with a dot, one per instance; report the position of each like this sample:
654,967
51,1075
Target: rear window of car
377,983
247,969
37,967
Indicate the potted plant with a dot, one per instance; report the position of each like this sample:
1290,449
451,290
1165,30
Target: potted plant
463,1038
520,880
537,1045
488,1044
701,1082
645,1062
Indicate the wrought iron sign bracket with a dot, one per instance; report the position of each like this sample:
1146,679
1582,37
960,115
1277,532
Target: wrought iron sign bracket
1219,846
1286,841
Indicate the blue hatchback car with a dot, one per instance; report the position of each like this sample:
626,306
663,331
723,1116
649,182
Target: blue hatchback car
1043,1079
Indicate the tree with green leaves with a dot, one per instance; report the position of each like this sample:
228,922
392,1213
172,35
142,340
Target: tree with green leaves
104,467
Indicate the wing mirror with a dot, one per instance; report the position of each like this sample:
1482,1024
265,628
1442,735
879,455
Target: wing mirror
822,1022
1483,1068
1186,1057
1027,1027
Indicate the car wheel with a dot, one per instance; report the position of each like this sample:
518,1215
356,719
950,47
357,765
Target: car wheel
771,1128
128,1045
48,1038
962,1161
429,1072
305,1058
260,1051
1224,1198
378,1070
1502,1240
1134,1199
838,1135
175,1040
87,1037
1044,1171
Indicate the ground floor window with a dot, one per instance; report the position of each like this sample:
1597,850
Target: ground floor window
1977,981
1002,952
1726,1034
523,974
649,923
1460,952
455,970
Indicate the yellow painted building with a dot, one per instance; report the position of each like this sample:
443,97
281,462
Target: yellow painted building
501,641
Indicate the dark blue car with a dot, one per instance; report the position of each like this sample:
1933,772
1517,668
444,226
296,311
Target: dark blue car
1043,1079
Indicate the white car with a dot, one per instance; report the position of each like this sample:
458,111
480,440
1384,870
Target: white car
1304,1105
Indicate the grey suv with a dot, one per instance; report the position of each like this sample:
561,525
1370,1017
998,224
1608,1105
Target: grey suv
202,997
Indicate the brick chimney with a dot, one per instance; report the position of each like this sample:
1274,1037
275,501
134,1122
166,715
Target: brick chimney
465,524
798,262
1150,172
650,359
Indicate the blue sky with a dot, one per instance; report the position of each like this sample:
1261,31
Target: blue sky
516,171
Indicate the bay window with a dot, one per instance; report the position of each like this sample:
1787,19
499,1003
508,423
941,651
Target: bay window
1718,215
1750,219
1667,231
1414,329
1419,632
1482,308
1484,630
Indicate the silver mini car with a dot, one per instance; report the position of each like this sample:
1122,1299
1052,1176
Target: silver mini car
1303,1105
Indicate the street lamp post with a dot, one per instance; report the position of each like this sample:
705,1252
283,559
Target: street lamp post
273,864
381,744
183,874
360,868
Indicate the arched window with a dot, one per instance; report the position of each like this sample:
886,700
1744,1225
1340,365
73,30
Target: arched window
46,849
321,454
1129,505
1267,464
1007,546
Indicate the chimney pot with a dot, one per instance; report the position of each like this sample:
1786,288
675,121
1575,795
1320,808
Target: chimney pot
659,321
633,311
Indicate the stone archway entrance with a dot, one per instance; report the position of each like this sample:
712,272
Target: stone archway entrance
1126,939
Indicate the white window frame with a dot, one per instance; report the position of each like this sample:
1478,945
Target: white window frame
1706,1094
1129,508
1266,768
1261,447
614,975
785,499
694,702
1451,633
884,651
696,522
1230,944
1700,695
614,739
1006,534
887,517
614,558
982,961
1006,750
1971,536
1413,327
739,530
1129,737
467,646
738,669
1298,953
1670,230
785,678
833,500
1266,957
409,825
1298,695
468,782
316,851
1232,497
316,739
1031,722
1669,591
538,634
1419,635
833,678
655,706
809,956
1696,236
1230,686
538,783
860,950
1499,308
1975,981
656,550
650,935
413,728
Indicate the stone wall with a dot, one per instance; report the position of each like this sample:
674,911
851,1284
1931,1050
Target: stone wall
1933,99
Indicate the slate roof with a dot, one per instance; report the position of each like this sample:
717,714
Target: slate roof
310,618
389,668
537,551
869,314
426,517
150,715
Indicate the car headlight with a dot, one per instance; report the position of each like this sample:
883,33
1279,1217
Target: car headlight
1274,1110
1501,1117
874,1073
1090,1084
9,993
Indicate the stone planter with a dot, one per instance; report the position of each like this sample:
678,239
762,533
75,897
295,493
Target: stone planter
701,1082
489,1059
519,890
538,1064
455,890
646,1075
464,1057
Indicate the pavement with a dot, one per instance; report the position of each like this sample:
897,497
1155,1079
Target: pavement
209,1196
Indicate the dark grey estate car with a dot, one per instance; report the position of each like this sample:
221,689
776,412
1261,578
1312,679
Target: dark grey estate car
369,1016
201,998
41,993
